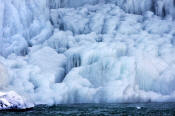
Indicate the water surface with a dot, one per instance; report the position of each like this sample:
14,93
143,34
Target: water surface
136,109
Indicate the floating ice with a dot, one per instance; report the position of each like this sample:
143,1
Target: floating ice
138,107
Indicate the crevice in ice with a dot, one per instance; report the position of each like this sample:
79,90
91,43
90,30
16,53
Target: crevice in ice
99,39
24,52
173,40
74,60
103,31
51,22
61,27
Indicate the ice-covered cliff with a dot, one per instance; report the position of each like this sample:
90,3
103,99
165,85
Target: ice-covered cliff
159,7
82,51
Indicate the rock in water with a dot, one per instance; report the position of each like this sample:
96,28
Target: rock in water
12,100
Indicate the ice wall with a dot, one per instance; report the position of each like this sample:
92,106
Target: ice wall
159,7
28,21
22,24
55,51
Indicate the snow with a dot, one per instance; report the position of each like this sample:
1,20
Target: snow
11,100
55,51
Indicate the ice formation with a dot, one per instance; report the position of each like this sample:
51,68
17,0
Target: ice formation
88,51
11,100
159,7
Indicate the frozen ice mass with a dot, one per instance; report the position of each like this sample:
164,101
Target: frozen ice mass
86,51
11,100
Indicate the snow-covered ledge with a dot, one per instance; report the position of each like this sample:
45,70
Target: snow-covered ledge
13,101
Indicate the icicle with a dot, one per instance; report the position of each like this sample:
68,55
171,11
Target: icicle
74,60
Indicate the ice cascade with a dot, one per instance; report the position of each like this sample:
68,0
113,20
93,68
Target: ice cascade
87,51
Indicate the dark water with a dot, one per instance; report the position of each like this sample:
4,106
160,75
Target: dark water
138,109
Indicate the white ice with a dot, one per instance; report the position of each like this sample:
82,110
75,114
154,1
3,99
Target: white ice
83,51
12,100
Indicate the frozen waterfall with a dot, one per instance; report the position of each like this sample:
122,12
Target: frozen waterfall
159,7
88,51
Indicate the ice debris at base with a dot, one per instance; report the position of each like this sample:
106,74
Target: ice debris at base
138,107
59,51
11,100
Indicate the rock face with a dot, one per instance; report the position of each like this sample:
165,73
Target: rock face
12,100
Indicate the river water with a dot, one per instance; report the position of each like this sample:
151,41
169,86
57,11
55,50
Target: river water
131,109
